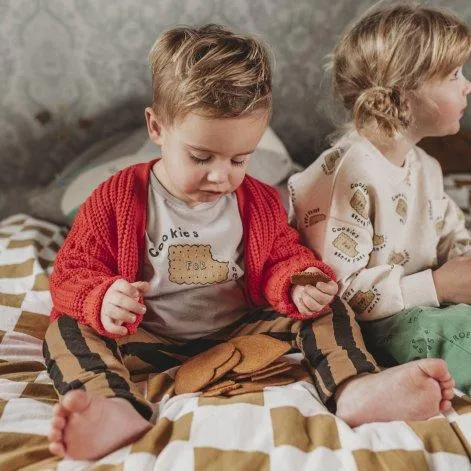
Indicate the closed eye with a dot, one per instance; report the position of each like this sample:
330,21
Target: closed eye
200,160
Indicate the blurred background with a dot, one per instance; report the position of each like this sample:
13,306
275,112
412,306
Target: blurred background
73,72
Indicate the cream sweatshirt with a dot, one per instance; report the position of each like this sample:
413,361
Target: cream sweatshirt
382,228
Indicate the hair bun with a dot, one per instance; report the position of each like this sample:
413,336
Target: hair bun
386,105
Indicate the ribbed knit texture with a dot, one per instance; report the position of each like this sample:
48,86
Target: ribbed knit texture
107,242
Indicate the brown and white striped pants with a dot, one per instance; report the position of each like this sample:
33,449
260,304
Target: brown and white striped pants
77,357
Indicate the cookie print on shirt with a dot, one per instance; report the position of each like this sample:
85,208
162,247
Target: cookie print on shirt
364,301
312,217
398,258
346,244
195,265
330,160
379,242
400,206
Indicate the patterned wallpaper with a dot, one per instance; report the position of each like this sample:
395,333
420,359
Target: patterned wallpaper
73,71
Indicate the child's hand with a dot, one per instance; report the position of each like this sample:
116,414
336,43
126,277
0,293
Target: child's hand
311,299
120,303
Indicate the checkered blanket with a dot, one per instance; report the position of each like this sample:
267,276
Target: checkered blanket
281,428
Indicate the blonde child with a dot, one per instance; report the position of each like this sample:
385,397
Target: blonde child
168,258
373,206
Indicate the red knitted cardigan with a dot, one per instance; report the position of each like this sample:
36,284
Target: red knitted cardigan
107,242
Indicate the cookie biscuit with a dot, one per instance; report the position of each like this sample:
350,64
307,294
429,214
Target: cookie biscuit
220,371
220,391
308,278
257,351
199,371
194,264
255,386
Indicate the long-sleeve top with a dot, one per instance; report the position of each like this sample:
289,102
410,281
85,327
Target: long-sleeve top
381,227
107,242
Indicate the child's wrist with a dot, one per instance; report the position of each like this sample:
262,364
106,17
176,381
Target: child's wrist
437,281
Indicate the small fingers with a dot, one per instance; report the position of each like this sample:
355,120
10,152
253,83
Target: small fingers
331,287
113,328
142,286
307,305
316,295
125,302
127,288
119,314
57,448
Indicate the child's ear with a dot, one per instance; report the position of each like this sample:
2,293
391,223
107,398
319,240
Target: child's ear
154,128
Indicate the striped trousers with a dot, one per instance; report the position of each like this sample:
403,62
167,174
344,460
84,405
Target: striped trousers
77,357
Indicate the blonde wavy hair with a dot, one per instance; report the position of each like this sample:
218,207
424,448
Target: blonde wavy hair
392,50
209,69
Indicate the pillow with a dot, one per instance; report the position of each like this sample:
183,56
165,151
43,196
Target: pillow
270,163
44,202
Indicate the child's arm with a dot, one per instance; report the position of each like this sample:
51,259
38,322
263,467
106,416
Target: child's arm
454,239
87,263
287,256
323,210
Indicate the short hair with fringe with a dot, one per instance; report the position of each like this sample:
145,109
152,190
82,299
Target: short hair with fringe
210,70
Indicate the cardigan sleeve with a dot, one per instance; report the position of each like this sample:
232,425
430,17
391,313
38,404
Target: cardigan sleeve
287,256
86,264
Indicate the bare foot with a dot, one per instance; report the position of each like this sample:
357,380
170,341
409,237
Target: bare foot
86,426
415,391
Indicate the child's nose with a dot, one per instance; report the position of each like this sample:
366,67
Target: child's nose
218,175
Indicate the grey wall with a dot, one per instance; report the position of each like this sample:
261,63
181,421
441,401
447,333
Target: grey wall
72,71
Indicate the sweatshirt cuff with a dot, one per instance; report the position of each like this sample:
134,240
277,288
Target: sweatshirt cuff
419,290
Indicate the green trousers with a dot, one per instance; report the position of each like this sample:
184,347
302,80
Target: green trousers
424,332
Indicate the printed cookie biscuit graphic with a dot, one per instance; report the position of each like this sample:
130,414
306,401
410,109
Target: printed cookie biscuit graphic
362,299
330,160
358,203
398,258
194,264
401,208
346,245
378,240
312,217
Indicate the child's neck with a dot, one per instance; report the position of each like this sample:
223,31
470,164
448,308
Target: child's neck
394,149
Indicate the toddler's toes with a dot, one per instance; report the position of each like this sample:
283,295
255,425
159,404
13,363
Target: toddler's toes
55,435
447,394
57,448
450,384
445,405
58,423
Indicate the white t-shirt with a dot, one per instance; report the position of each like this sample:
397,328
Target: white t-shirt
381,227
194,263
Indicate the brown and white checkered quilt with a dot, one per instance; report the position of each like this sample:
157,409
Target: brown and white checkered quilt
282,428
